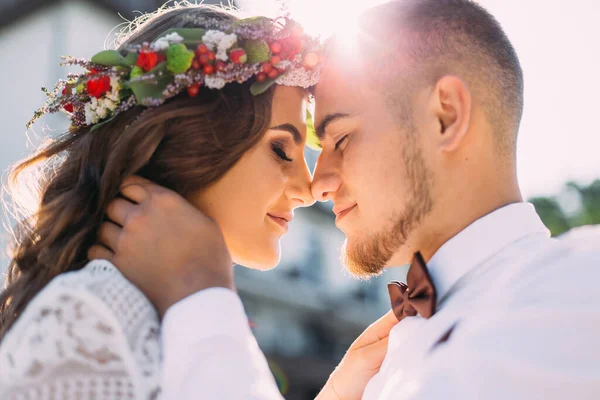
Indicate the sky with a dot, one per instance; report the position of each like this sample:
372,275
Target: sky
558,44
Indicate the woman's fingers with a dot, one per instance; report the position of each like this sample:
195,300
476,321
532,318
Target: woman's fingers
372,355
377,331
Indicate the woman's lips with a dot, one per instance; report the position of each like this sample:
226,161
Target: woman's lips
281,219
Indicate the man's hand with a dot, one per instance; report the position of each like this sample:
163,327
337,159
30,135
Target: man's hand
361,362
163,244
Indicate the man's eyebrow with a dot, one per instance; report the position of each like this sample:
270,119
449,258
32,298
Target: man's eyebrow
291,129
330,118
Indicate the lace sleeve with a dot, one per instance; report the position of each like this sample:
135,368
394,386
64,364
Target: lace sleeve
67,345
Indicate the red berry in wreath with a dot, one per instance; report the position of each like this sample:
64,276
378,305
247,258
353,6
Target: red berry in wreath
209,69
220,65
202,49
275,60
193,89
275,47
266,67
238,56
204,59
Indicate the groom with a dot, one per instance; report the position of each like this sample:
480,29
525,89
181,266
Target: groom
419,129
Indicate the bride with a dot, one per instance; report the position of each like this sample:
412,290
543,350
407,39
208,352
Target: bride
200,102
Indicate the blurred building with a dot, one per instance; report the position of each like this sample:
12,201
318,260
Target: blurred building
307,311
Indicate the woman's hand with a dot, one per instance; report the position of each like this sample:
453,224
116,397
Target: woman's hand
361,362
162,244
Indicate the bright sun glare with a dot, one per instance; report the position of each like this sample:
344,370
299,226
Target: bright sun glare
318,17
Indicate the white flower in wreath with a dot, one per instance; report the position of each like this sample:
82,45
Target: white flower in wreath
225,44
109,104
164,42
213,82
90,115
102,112
114,83
212,39
113,95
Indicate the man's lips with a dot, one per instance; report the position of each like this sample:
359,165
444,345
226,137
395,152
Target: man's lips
341,211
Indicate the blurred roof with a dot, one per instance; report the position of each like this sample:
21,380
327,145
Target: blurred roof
12,10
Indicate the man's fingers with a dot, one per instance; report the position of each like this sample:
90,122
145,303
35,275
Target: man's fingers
137,180
108,235
119,210
377,331
134,192
99,252
136,188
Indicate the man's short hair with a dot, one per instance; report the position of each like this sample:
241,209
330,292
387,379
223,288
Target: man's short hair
419,41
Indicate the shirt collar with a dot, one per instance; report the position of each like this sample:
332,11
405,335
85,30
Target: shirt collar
480,240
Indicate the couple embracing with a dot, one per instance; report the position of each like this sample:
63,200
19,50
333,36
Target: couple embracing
185,156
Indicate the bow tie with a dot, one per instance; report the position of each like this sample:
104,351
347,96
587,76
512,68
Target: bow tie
418,295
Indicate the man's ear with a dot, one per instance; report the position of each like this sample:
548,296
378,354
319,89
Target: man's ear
452,105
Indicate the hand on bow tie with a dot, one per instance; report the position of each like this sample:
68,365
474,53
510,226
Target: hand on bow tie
361,362
418,295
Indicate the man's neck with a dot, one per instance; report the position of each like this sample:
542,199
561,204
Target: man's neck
451,216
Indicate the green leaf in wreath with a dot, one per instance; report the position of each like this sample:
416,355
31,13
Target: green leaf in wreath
112,58
131,59
149,89
99,124
312,140
160,68
260,87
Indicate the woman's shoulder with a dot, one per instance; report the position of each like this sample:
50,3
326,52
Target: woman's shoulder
92,320
123,304
102,281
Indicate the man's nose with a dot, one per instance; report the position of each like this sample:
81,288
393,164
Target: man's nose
326,180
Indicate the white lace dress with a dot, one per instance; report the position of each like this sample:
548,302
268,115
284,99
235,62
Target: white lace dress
90,334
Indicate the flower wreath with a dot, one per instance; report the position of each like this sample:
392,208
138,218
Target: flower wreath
268,50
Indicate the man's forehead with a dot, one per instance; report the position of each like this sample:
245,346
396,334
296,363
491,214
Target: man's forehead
338,91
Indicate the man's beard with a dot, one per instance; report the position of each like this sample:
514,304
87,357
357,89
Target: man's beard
369,256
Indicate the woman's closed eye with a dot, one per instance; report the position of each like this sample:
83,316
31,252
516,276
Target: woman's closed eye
278,149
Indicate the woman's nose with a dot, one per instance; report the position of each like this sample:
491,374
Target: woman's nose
300,187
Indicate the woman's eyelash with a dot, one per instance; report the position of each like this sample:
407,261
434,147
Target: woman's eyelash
277,149
339,142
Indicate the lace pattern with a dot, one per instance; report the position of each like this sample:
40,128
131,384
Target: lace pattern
90,334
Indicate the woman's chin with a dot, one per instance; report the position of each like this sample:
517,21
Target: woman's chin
263,263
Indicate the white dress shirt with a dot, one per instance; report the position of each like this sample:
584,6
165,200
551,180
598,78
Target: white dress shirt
525,312
524,308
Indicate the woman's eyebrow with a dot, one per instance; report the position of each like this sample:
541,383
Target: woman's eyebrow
291,129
